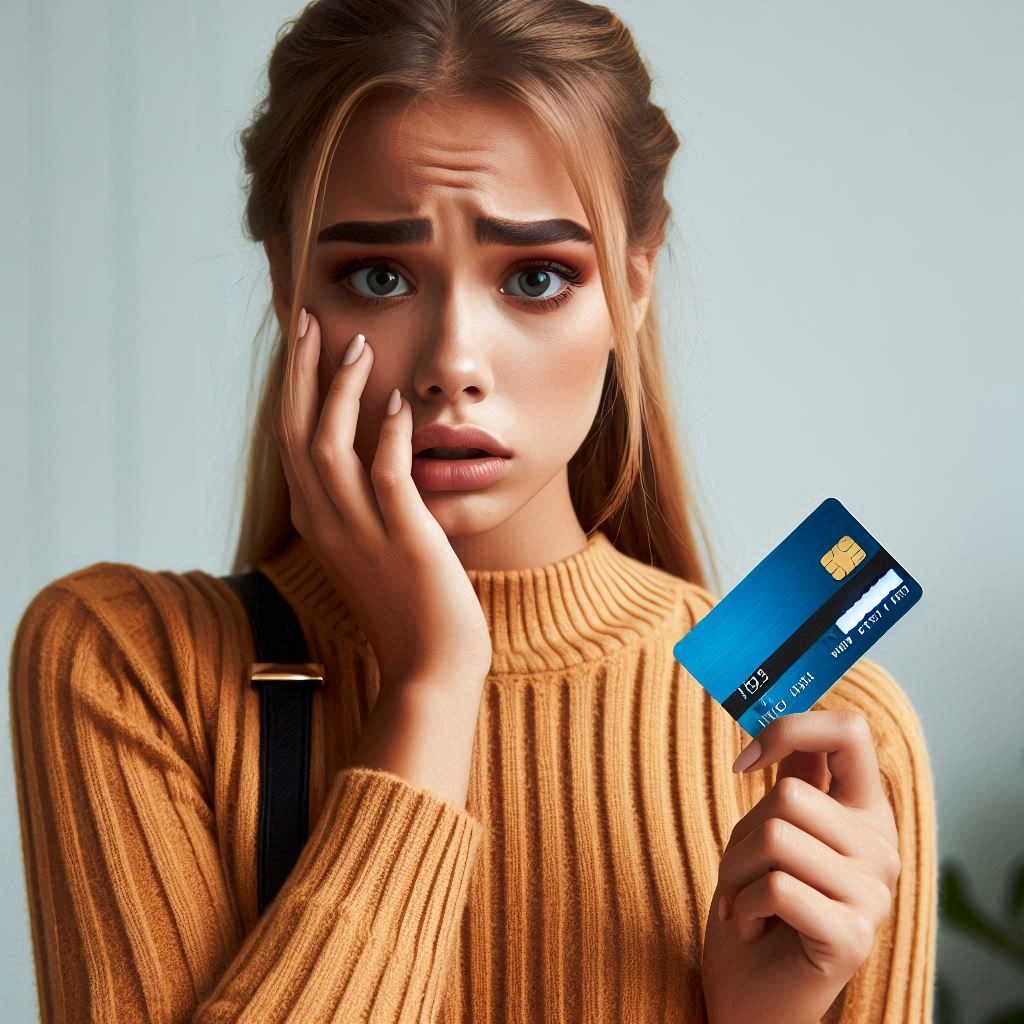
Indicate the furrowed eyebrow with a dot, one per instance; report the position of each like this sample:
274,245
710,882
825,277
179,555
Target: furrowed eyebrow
489,231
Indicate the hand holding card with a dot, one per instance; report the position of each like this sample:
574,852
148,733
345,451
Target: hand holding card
798,620
807,878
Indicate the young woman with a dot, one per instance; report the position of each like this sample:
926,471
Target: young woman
522,808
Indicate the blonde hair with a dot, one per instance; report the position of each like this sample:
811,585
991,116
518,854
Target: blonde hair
575,70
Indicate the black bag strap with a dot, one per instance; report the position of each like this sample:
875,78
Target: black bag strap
286,678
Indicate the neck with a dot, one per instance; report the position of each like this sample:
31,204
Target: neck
578,608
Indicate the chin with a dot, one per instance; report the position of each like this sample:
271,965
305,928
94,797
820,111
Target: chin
463,513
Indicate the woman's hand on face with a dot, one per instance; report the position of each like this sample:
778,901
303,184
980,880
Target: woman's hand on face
377,541
807,878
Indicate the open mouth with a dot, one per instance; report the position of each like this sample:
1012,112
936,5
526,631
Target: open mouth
457,469
454,453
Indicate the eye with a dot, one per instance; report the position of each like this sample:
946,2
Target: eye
538,276
381,279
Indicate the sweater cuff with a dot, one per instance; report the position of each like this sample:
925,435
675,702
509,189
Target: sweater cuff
402,856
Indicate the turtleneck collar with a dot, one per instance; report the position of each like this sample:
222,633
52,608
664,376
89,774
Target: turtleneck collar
578,609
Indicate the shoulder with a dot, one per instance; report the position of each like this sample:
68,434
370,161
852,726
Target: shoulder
694,600
870,691
149,626
129,603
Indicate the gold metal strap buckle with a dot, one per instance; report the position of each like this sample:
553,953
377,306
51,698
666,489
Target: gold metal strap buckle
309,672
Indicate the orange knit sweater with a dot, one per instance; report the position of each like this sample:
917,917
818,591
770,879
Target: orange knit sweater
574,886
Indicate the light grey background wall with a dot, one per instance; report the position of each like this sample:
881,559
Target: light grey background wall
847,216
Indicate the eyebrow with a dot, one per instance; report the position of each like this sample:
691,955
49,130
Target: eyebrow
489,231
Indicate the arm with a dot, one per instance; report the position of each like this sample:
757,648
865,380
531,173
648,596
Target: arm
132,917
424,733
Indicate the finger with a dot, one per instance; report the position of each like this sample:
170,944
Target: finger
332,455
401,504
811,767
842,931
844,736
779,845
849,832
295,424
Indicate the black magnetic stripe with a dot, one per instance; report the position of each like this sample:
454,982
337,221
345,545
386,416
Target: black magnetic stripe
805,636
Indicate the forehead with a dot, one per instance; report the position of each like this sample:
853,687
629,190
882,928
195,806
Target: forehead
399,158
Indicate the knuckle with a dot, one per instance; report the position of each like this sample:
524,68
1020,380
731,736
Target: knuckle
777,835
882,901
338,383
862,935
781,729
385,478
322,453
777,884
856,724
790,791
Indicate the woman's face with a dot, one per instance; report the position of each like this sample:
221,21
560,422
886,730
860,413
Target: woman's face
468,328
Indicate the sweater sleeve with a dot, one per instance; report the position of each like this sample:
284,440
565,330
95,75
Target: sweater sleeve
132,916
895,985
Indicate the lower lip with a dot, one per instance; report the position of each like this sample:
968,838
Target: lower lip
457,474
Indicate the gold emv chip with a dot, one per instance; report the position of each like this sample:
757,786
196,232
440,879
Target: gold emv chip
845,554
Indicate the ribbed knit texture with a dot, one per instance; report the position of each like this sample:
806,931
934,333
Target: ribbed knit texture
574,886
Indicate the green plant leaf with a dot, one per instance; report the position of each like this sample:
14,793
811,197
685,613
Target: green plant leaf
1007,1017
1017,890
957,910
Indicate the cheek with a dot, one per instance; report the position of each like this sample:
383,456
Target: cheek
567,382
558,393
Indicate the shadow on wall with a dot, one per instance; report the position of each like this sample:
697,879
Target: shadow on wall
1004,938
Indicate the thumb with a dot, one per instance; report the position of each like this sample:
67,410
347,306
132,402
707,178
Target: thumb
811,766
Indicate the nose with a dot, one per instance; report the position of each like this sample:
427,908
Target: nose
454,364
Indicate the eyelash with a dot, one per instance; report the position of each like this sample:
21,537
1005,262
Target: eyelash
572,276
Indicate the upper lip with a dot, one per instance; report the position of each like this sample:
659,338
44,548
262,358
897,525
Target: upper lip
456,435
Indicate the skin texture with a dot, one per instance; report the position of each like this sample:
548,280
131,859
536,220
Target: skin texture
460,331
808,875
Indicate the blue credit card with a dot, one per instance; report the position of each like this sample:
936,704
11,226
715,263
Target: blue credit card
798,620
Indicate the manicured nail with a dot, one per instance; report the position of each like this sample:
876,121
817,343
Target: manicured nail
749,755
723,907
394,402
354,350
303,322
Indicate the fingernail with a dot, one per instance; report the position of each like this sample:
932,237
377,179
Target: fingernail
394,402
723,908
749,755
354,350
303,322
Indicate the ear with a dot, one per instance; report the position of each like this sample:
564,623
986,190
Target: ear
641,278
280,277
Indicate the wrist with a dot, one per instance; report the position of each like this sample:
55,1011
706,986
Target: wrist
441,688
